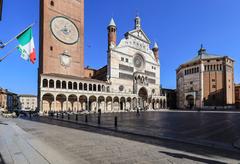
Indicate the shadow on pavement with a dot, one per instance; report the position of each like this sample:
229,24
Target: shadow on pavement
196,159
1,159
175,145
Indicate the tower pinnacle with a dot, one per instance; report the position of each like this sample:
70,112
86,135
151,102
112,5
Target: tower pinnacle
137,22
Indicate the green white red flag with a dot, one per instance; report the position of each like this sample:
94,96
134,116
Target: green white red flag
26,45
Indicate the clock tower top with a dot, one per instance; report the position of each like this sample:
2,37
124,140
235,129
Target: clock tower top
62,37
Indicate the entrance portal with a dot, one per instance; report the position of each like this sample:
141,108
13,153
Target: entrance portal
190,101
143,96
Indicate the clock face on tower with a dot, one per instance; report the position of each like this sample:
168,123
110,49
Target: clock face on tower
64,30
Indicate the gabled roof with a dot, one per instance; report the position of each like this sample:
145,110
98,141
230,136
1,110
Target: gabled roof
136,31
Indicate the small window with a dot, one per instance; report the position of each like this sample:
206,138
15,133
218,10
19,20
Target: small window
122,59
214,86
191,82
213,80
51,48
126,60
52,3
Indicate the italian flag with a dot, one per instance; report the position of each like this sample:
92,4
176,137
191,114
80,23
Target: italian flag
26,45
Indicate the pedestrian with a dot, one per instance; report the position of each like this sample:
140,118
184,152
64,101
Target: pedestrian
99,112
138,111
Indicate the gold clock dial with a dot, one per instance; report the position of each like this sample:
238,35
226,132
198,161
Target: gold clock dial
64,30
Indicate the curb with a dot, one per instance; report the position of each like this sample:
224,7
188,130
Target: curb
210,144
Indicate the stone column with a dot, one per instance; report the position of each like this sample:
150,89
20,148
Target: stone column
55,103
87,105
67,103
112,106
78,105
41,105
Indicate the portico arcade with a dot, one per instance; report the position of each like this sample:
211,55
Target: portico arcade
60,94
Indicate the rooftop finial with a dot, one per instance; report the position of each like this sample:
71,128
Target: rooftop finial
202,50
137,22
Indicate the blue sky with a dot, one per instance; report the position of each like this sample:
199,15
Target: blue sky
179,27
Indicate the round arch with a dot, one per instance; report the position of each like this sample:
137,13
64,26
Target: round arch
61,102
47,102
74,102
83,102
109,103
93,103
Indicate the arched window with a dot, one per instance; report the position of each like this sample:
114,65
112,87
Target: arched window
51,84
94,87
108,89
85,87
58,84
64,85
69,85
90,87
75,86
80,86
45,83
99,88
52,3
103,88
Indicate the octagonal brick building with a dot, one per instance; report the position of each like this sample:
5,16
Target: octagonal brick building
206,81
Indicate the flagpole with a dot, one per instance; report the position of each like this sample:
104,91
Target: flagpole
5,44
9,53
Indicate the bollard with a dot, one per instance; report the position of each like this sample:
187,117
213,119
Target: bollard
86,118
76,117
62,115
30,114
115,121
99,120
57,114
68,116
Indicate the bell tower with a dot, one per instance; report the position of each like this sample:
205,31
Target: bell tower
156,51
61,37
112,34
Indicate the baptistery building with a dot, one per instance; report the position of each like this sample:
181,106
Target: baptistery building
130,79
206,81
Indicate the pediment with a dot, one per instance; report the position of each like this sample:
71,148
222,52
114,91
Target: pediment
139,34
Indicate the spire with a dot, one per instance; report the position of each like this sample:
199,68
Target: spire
137,22
112,23
155,45
156,51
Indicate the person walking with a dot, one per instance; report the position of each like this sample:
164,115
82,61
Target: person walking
138,111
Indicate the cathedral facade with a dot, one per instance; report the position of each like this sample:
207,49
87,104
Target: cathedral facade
130,79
